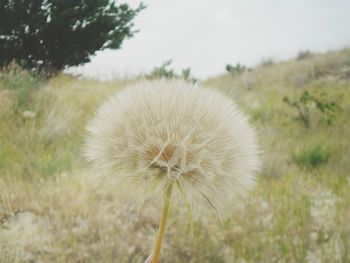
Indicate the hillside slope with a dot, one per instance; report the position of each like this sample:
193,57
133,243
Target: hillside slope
51,210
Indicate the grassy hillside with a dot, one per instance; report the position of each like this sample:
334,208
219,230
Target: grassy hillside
51,210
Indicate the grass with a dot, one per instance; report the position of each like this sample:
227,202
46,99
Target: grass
312,157
51,211
21,83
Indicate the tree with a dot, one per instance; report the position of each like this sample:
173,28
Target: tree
53,34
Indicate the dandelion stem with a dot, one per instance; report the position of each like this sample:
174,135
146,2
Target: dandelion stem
162,224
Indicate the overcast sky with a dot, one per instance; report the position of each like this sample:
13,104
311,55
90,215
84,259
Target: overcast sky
205,35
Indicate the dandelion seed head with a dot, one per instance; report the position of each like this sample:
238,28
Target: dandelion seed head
156,132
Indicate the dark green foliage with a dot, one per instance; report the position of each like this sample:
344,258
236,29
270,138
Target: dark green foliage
186,75
304,54
52,34
313,156
164,71
267,62
235,70
21,82
307,101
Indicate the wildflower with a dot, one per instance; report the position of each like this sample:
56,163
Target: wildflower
176,140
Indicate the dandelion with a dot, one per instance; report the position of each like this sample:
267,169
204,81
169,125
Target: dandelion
176,141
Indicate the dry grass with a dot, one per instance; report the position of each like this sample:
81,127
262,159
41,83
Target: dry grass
51,211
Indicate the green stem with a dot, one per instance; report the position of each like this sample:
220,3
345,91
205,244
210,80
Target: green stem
162,224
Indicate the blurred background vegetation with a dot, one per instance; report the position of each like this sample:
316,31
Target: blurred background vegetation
50,209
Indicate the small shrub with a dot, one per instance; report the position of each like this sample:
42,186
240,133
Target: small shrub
186,75
164,71
304,54
21,82
267,62
235,70
307,101
313,156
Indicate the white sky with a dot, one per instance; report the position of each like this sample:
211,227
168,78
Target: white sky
205,35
